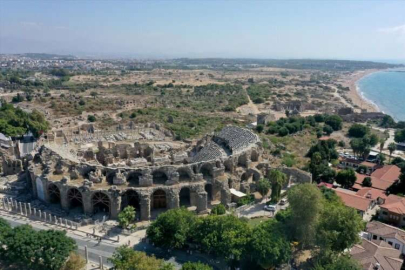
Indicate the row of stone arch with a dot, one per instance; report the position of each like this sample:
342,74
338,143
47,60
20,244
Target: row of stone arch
159,177
101,201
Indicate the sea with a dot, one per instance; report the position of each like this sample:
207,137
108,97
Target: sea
386,90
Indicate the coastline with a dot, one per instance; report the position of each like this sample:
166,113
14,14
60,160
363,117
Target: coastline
355,95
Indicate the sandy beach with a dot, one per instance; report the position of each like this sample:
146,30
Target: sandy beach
354,95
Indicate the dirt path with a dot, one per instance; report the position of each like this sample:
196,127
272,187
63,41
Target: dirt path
249,108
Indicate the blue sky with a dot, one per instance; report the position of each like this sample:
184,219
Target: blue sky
164,29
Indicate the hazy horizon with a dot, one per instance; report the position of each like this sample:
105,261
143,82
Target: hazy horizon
360,30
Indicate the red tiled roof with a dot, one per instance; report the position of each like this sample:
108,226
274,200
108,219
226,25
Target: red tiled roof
370,254
387,173
372,193
324,184
351,199
375,182
395,204
385,230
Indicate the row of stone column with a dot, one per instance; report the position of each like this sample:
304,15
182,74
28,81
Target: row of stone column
25,209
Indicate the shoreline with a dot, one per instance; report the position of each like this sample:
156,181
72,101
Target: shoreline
355,94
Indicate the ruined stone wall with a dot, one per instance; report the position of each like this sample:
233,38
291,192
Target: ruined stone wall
11,166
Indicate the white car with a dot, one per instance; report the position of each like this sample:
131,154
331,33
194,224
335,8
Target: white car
271,207
283,201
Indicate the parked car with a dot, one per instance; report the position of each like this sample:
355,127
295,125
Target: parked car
283,201
271,208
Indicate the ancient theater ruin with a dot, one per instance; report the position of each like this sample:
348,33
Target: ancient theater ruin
151,176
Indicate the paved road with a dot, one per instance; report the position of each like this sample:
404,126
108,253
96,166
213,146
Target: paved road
95,249
106,248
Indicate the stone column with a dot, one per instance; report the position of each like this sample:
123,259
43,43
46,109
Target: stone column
87,205
172,196
226,197
202,202
29,209
64,202
115,206
145,207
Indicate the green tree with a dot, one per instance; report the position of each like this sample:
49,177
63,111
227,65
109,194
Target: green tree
387,122
392,147
327,129
367,182
346,178
277,179
382,143
269,246
400,135
334,121
224,236
263,187
339,262
306,206
126,216
218,210
358,130
5,229
339,227
195,266
172,228
125,258
38,250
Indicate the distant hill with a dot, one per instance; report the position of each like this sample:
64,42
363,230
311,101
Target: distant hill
342,65
47,56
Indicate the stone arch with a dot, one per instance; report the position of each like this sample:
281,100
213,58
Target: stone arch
88,171
208,189
230,182
206,171
218,164
244,177
133,178
242,160
110,177
131,198
256,175
159,177
101,202
53,193
228,164
185,197
75,198
184,175
159,199
254,156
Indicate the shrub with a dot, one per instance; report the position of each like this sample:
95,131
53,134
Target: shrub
218,210
91,118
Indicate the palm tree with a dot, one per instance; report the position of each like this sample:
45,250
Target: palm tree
392,147
277,180
382,143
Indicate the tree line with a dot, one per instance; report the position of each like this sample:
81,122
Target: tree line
316,220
